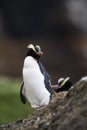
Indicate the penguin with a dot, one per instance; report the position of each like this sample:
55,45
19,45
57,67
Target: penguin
36,86
64,84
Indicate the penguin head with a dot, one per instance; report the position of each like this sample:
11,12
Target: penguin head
64,84
34,51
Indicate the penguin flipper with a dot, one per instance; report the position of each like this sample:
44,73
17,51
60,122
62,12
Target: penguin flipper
47,79
22,97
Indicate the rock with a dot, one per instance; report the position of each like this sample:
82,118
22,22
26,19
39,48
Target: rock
66,111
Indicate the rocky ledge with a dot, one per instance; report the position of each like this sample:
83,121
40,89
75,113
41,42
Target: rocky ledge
67,111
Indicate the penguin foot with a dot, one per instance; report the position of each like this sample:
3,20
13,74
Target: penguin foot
65,84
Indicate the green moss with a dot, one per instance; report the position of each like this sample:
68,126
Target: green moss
11,108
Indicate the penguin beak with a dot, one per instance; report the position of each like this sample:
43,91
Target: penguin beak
40,53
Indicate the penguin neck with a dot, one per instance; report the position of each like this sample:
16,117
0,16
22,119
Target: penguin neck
32,54
30,61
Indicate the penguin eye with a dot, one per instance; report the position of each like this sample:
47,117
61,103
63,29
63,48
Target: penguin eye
37,47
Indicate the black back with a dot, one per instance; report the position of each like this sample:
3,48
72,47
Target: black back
47,79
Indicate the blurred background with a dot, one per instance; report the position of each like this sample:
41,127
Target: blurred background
59,27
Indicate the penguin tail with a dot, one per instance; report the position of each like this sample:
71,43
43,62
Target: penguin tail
22,97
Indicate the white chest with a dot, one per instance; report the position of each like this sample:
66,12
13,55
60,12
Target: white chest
36,92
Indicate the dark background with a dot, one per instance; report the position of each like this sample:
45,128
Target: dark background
59,27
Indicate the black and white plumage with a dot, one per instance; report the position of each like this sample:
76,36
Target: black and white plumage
36,86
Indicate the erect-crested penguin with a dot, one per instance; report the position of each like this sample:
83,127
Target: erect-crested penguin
36,86
64,84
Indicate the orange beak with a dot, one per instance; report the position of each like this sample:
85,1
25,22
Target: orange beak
40,53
